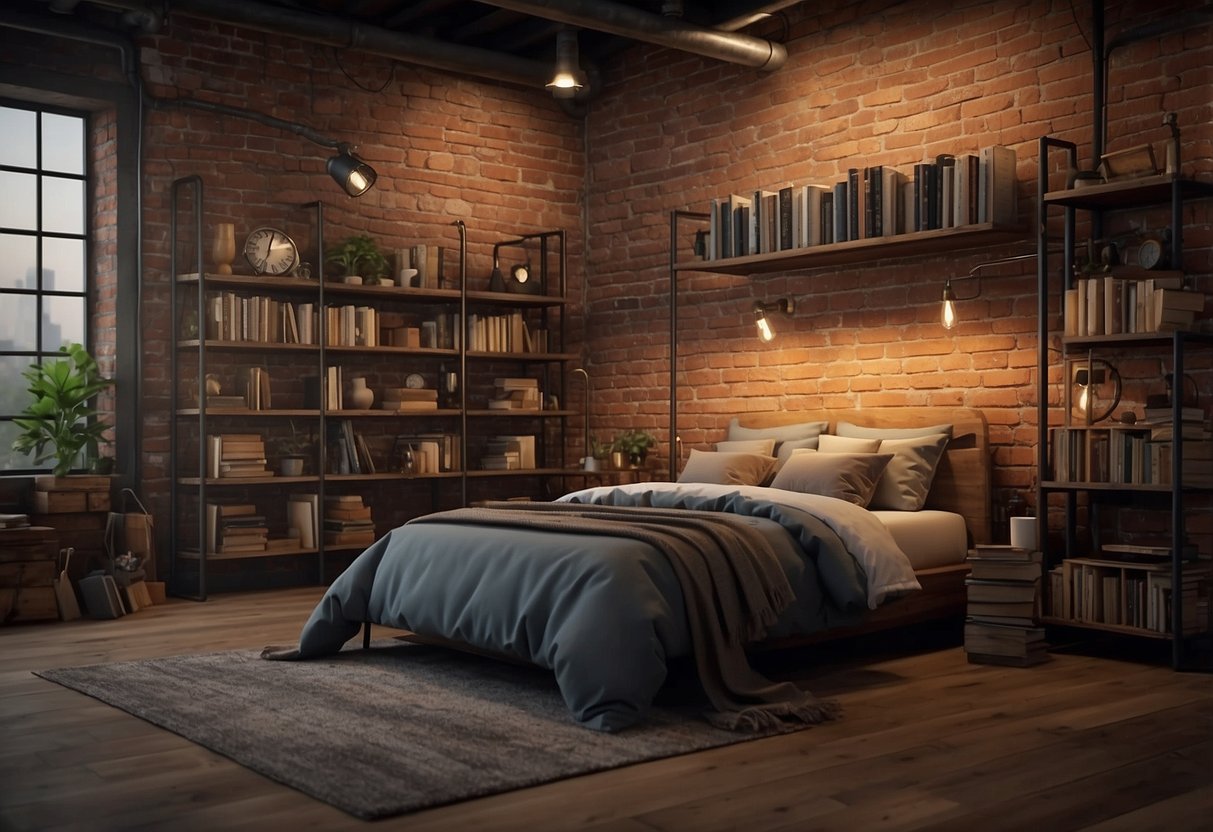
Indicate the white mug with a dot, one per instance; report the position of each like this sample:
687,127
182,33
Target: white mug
1023,533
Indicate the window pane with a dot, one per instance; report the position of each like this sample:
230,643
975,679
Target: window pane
18,323
10,459
17,127
62,265
62,205
18,204
62,322
13,395
17,261
63,143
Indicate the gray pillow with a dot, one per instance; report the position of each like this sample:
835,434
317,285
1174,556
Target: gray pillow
906,481
787,446
850,477
727,467
848,429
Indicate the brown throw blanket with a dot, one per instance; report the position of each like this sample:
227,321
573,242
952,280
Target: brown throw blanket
733,589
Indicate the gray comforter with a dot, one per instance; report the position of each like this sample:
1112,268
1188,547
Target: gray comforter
605,614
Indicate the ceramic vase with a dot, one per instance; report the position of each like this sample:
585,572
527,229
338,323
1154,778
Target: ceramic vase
223,251
361,397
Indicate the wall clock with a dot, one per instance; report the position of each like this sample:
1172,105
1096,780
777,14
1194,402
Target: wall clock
414,381
1150,254
271,251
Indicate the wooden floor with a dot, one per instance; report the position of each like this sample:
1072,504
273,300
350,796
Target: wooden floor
927,741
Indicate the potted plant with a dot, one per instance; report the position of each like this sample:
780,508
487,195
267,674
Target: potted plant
599,452
294,451
60,422
358,256
634,445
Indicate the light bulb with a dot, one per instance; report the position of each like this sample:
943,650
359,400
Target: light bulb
765,332
948,313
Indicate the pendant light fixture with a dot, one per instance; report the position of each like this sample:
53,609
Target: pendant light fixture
568,77
762,316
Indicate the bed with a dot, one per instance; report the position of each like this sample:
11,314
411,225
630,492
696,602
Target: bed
607,586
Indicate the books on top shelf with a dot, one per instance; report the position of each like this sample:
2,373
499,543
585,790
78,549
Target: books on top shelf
1139,454
867,202
1116,304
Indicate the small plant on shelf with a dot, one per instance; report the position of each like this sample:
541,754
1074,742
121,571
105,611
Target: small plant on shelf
634,445
358,256
60,422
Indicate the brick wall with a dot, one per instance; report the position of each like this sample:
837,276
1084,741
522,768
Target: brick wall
860,87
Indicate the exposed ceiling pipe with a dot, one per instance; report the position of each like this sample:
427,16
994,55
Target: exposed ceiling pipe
755,15
345,34
629,22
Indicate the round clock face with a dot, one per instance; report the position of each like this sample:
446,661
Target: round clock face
1149,255
414,381
270,251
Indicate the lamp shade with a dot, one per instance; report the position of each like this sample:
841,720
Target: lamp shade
353,175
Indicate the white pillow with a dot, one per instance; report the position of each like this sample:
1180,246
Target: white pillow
831,444
849,477
906,481
727,467
848,429
766,447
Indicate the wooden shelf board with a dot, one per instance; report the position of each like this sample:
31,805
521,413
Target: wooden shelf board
1129,193
1107,628
390,475
914,244
437,352
373,412
192,554
244,411
520,412
1134,339
1053,485
262,346
252,281
523,356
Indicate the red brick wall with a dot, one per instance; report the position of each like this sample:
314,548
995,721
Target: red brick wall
860,87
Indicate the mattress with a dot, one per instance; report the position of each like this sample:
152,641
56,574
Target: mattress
929,538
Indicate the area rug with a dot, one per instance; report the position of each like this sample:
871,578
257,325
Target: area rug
385,731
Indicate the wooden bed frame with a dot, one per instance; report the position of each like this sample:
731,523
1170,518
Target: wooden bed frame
961,485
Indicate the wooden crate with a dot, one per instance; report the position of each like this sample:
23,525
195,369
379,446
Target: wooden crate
71,493
28,565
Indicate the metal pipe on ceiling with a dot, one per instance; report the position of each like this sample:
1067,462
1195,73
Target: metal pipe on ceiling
629,22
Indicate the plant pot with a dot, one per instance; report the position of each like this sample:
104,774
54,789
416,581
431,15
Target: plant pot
618,459
291,466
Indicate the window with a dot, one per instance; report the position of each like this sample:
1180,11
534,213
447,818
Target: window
44,250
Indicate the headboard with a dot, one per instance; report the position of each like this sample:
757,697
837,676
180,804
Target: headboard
962,480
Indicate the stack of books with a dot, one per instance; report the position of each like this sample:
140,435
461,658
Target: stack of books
515,394
234,529
508,453
347,521
236,455
1003,607
408,399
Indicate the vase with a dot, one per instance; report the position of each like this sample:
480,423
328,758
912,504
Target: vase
361,397
223,250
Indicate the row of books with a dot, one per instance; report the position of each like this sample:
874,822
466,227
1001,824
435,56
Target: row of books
234,317
1100,591
1109,305
1130,455
870,202
428,260
1003,608
426,453
506,452
506,332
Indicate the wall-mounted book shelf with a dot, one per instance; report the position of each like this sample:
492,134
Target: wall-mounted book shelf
911,244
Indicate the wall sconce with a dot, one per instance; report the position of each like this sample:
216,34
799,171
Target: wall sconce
947,314
568,77
353,175
762,319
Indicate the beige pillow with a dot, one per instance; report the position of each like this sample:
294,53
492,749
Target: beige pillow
850,477
785,449
727,467
780,433
830,444
848,429
906,481
766,447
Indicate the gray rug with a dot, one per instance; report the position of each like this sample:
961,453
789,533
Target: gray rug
385,731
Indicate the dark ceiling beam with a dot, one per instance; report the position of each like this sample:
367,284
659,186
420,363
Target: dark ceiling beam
419,10
487,24
633,23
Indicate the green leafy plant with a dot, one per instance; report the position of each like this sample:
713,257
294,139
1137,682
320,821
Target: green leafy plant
358,255
599,450
60,422
635,444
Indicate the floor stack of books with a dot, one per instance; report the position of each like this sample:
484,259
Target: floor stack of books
347,521
1003,607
